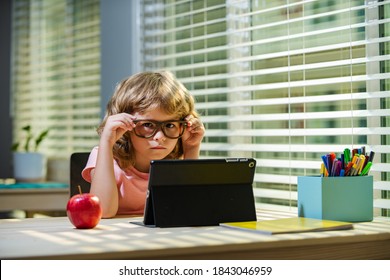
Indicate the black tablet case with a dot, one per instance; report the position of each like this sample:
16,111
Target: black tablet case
201,192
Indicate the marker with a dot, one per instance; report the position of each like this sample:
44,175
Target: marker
325,161
348,169
354,170
329,163
361,163
347,155
322,170
366,169
371,157
334,167
366,160
338,168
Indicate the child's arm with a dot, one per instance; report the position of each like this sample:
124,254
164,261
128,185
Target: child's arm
192,137
103,182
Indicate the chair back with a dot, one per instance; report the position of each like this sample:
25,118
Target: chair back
77,164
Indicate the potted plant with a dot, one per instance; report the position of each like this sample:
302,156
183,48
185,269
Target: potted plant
29,165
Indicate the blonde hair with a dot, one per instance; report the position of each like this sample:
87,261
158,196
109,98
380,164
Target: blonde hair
143,92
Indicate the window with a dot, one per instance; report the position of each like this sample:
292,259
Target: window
281,81
56,72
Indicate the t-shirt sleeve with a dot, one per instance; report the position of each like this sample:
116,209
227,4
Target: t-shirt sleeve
91,163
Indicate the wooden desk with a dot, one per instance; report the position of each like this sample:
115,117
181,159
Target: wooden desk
34,196
55,238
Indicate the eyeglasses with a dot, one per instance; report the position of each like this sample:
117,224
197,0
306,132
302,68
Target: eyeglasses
148,128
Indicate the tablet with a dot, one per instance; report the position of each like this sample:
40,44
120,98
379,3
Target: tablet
202,192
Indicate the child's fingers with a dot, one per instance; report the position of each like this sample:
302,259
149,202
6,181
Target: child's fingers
194,124
122,120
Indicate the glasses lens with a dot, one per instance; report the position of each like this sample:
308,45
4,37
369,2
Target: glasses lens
145,128
171,129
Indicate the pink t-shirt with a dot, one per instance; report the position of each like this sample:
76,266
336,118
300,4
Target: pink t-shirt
132,185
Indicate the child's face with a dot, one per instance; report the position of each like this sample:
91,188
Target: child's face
155,147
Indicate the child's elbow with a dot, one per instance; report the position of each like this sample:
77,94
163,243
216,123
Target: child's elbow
108,213
108,216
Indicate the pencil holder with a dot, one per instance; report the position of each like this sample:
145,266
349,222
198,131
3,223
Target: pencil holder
348,199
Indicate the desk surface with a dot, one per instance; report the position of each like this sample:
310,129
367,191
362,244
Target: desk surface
117,238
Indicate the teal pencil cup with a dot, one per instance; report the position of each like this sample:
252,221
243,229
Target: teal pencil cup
348,199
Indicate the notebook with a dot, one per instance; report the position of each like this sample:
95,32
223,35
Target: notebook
201,192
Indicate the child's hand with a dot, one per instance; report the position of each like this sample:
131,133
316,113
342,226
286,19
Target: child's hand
116,126
192,137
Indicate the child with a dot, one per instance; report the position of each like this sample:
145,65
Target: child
151,116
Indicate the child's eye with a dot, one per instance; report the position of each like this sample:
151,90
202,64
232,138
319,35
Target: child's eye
148,125
170,125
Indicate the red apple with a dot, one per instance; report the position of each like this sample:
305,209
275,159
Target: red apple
84,210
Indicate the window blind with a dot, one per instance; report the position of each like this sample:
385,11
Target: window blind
281,81
56,73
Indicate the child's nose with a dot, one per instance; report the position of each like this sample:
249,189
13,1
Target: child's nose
159,135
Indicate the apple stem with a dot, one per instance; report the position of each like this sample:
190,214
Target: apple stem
79,189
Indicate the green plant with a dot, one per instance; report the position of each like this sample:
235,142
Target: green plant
30,137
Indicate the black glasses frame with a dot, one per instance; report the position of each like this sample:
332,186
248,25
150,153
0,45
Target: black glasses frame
160,125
